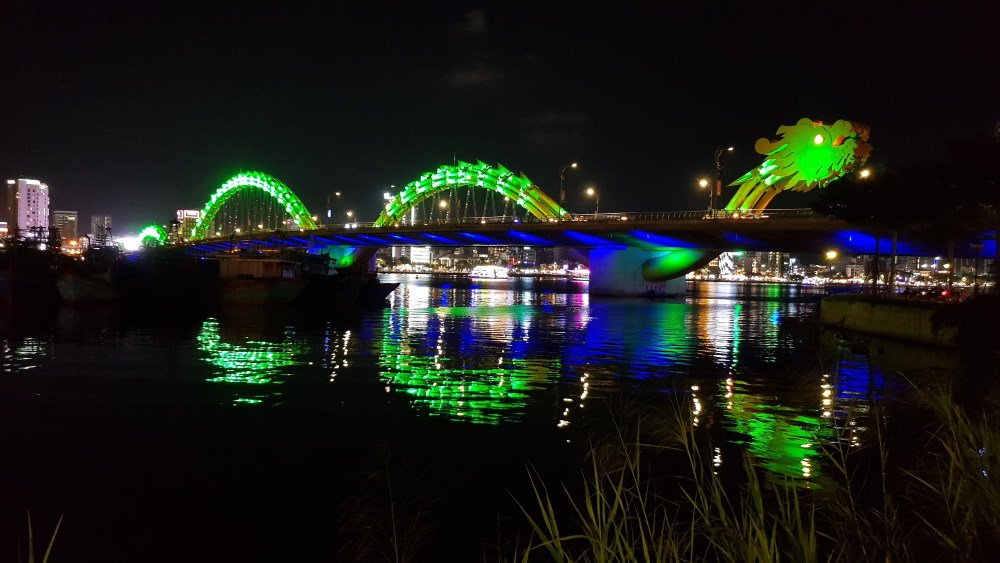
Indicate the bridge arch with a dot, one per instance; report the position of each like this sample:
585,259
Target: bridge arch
517,187
153,235
252,181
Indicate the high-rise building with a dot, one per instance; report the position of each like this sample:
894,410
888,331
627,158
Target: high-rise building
66,222
99,224
420,255
187,218
25,206
8,206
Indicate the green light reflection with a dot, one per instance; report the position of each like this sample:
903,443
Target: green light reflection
480,390
780,438
253,362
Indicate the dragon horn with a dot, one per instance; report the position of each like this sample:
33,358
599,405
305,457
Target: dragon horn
766,146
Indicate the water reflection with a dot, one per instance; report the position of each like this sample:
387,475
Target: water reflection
518,351
783,439
23,354
240,358
464,363
335,351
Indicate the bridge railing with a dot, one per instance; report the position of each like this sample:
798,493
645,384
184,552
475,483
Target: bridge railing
695,215
636,216
602,217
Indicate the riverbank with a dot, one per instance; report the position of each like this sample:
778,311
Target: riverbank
511,273
894,318
970,323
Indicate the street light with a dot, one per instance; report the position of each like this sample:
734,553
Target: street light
329,204
831,255
592,192
718,177
977,246
562,177
865,173
704,183
443,206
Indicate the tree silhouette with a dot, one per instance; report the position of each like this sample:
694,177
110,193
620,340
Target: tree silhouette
884,203
975,166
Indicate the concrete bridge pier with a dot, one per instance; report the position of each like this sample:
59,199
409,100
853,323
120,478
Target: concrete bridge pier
619,272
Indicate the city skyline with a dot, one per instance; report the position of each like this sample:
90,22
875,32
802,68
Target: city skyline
137,112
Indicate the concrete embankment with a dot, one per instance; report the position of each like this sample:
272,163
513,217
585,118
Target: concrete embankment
903,319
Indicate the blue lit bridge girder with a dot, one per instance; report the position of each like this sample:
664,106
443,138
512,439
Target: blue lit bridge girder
799,232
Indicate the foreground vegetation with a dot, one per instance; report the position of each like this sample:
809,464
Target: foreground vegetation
653,491
944,504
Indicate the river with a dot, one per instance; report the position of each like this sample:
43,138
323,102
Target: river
252,434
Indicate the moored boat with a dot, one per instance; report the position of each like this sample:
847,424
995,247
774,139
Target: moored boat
89,280
259,281
77,288
327,285
489,272
27,274
374,291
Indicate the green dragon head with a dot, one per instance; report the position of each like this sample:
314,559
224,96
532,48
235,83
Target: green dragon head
806,155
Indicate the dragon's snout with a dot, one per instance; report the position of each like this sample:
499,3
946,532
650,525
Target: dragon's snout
861,130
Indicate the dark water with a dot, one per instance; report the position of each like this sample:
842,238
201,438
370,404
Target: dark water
240,435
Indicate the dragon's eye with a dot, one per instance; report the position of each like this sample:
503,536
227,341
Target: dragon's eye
818,139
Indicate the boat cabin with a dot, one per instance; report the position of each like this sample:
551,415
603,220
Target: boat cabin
252,268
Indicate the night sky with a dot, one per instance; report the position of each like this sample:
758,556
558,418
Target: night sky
137,109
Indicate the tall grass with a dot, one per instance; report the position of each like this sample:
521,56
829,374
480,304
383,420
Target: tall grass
385,521
956,491
31,542
945,506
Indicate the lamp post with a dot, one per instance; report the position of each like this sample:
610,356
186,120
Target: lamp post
718,177
704,183
830,255
386,198
329,204
562,178
557,252
443,204
977,246
592,192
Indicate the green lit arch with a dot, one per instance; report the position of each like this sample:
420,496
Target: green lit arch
253,181
153,235
521,190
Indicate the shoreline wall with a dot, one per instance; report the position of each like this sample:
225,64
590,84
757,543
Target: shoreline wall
906,320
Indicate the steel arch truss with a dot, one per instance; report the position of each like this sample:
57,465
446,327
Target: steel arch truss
253,181
153,235
517,187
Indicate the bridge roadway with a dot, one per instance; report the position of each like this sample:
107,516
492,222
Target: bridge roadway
789,230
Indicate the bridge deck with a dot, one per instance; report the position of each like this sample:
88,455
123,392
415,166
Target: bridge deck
785,233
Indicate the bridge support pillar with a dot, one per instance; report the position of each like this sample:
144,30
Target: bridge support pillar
619,272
